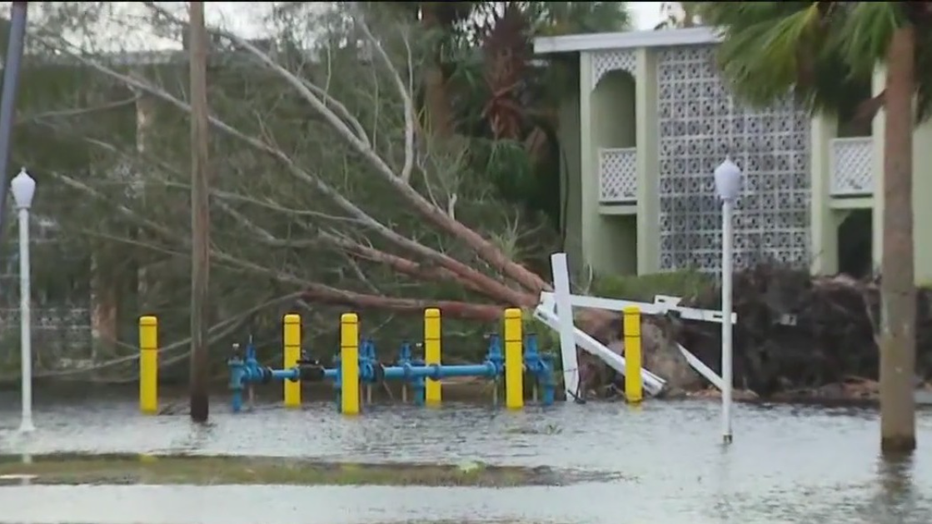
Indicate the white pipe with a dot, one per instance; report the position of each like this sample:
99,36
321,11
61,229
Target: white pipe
25,326
727,356
652,383
561,288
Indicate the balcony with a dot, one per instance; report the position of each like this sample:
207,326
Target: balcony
852,164
618,176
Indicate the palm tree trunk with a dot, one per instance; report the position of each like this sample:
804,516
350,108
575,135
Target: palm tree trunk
435,89
898,292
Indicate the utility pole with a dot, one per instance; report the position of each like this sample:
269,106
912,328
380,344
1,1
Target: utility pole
200,213
14,56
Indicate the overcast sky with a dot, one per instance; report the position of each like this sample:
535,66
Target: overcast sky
242,15
646,14
126,26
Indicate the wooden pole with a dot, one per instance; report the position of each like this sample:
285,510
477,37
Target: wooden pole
200,214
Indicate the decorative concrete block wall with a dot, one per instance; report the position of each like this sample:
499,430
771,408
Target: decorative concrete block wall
700,124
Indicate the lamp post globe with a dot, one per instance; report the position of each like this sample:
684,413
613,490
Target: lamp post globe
23,188
728,180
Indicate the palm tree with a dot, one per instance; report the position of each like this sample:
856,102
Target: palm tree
473,24
820,51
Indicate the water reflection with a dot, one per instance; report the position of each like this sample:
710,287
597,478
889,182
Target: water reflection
895,498
787,465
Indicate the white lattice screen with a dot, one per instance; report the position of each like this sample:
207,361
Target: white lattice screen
852,162
618,176
605,62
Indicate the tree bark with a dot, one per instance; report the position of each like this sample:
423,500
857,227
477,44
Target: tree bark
438,104
408,267
104,304
200,215
898,291
145,119
320,293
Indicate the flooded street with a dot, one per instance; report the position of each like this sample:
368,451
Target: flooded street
787,465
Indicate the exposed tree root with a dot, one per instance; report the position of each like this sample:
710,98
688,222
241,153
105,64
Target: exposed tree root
796,336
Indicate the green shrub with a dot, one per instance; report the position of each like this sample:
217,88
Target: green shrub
643,288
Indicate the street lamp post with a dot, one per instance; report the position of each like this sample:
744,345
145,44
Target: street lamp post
23,188
728,186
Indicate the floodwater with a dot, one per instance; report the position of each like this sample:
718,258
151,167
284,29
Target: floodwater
787,465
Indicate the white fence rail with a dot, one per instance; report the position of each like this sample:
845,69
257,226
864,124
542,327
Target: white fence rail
556,310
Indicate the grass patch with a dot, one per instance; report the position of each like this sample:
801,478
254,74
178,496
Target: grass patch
644,287
207,470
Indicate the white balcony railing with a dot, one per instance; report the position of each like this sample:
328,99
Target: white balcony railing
618,176
852,166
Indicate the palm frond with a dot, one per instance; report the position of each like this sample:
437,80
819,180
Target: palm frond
763,53
865,33
924,74
774,48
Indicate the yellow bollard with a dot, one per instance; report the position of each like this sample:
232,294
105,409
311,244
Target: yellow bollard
349,364
432,353
514,360
292,353
149,365
634,389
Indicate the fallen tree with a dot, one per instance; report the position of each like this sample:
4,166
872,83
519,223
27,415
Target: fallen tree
327,181
357,162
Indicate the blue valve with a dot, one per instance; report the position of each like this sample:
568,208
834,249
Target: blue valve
495,354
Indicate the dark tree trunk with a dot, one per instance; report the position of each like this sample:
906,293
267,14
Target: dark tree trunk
898,291
435,90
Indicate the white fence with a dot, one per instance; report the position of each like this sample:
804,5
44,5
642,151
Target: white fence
556,310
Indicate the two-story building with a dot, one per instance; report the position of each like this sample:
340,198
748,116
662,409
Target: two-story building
649,124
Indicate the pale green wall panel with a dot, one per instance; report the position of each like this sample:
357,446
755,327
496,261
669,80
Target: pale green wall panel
607,120
571,180
824,232
648,195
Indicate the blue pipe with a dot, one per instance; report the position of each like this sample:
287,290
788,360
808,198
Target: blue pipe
292,374
237,380
237,401
540,366
432,371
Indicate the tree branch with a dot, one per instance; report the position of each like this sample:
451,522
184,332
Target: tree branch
321,292
480,280
450,309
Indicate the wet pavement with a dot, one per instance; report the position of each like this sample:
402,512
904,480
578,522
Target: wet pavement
787,465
